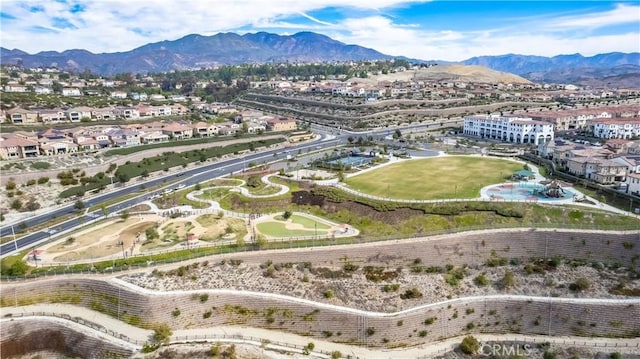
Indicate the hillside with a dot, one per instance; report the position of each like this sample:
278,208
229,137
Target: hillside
448,73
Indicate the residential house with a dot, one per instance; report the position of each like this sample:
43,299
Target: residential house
40,90
633,183
279,124
126,112
86,144
178,131
631,162
153,136
617,128
15,88
203,129
76,114
19,115
617,145
178,109
157,97
119,94
15,147
71,91
52,116
104,113
599,170
123,137
57,147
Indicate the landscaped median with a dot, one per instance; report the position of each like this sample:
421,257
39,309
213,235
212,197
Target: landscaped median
164,162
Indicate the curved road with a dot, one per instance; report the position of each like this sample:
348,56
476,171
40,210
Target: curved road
328,138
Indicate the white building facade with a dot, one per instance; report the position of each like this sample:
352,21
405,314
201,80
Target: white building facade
508,129
616,128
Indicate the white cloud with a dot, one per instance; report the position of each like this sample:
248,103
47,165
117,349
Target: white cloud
622,14
121,25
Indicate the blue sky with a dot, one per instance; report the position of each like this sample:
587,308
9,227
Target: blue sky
429,30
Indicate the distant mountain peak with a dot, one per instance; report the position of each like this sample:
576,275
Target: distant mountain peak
193,50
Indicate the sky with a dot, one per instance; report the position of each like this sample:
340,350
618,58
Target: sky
428,30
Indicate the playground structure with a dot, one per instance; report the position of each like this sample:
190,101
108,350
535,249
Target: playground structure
551,189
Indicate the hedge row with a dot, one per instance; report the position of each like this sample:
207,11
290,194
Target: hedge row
448,208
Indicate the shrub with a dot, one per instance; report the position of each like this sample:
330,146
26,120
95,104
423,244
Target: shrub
16,204
430,320
162,332
549,355
329,294
336,354
40,165
176,312
207,314
151,233
508,280
615,355
371,331
469,345
204,297
580,285
43,180
31,182
411,294
423,333
10,186
481,280
287,214
390,288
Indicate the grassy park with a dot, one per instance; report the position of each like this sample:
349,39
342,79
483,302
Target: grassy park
295,226
434,178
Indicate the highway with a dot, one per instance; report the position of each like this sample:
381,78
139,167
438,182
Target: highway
329,137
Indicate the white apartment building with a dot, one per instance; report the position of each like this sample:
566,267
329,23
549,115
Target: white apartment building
508,129
616,128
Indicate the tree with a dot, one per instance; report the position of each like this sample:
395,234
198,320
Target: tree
287,214
79,205
253,181
124,215
470,345
32,205
397,134
16,204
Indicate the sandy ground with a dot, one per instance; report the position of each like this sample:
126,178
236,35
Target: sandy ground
111,238
355,290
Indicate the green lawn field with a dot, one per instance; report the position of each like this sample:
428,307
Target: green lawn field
308,222
434,178
278,229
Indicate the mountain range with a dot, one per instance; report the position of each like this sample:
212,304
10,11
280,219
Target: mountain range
197,51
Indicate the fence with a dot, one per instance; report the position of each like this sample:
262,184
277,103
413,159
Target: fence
157,258
504,340
238,338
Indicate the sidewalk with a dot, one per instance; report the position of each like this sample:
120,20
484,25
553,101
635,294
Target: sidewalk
248,335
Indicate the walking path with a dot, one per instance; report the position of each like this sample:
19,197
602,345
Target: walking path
133,337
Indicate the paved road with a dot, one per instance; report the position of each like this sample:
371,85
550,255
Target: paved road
187,177
329,138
